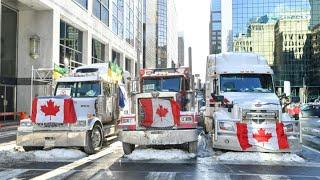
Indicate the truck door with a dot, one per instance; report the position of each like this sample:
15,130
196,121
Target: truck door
107,88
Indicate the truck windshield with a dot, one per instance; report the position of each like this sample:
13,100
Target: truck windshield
164,84
78,89
261,83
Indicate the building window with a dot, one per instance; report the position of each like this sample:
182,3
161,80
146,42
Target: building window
116,58
98,52
128,65
101,10
129,30
83,3
216,26
139,21
117,17
70,45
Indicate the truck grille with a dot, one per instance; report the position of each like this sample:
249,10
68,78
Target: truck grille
50,125
260,116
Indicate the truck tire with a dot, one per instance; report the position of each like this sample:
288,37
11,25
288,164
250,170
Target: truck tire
192,147
32,148
127,148
94,140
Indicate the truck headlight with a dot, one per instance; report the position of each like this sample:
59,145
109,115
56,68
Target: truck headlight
288,127
186,119
26,123
81,123
127,121
226,126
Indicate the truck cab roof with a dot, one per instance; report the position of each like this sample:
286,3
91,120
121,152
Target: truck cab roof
232,63
91,72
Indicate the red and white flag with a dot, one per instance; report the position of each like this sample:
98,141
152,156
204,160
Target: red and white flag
53,110
268,136
160,112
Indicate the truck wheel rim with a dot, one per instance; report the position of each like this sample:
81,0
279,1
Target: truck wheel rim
96,138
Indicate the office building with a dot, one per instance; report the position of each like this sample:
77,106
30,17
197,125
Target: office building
260,26
44,33
180,49
160,34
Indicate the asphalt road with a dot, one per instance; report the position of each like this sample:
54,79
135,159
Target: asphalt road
311,132
112,164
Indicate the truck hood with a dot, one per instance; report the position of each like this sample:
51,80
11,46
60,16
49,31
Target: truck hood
253,100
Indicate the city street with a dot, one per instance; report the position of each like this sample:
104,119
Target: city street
110,163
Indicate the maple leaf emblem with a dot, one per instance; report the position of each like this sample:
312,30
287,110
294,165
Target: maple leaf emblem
262,136
162,112
50,109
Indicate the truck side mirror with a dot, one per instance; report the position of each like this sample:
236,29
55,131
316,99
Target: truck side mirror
295,99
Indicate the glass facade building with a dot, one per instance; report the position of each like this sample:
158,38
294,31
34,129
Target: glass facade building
215,27
279,30
117,17
129,31
160,35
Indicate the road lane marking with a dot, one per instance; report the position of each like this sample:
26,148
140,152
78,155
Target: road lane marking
8,174
69,167
311,149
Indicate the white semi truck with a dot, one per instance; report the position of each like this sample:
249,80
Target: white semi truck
162,111
82,111
243,113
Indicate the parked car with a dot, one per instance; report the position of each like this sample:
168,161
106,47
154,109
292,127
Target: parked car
310,109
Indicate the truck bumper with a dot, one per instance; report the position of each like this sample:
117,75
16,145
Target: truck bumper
159,137
51,139
230,142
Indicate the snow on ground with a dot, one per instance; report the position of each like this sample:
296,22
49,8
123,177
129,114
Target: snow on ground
260,157
11,154
155,154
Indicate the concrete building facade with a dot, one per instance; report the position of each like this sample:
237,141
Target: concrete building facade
160,34
75,32
181,54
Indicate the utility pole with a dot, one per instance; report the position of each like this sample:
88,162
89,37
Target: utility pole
190,59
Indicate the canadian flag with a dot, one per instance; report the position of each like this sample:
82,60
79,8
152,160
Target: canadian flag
160,112
268,136
53,110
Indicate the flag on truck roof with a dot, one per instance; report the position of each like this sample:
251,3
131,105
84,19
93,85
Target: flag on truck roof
58,71
115,72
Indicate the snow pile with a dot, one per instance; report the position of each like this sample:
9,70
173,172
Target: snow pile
204,145
58,155
260,157
154,154
11,155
